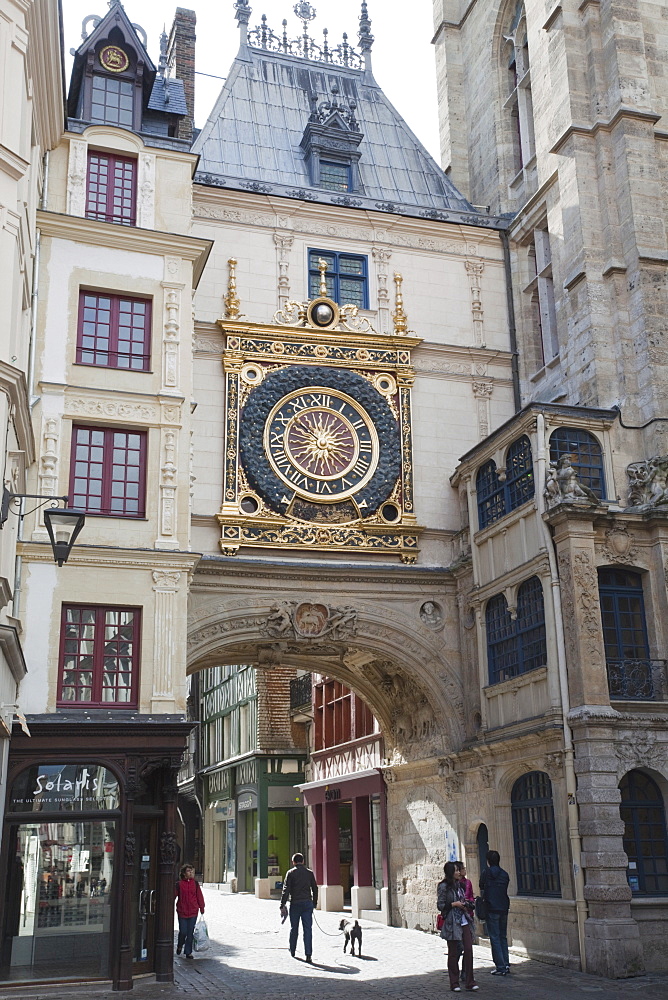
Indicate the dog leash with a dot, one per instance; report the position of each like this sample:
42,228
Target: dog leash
327,933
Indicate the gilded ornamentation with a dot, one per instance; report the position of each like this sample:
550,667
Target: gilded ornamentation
306,620
292,349
296,314
231,300
619,545
345,539
231,437
399,316
562,485
648,482
406,448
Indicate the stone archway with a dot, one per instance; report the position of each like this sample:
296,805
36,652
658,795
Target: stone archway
397,667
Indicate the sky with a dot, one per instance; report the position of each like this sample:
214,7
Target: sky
403,57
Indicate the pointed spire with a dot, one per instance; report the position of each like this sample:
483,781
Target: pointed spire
365,36
232,300
242,12
162,64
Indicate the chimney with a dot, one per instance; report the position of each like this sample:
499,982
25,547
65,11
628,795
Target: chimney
181,63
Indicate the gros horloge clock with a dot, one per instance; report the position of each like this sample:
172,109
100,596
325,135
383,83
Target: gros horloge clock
319,443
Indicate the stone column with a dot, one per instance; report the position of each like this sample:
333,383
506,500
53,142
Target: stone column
317,837
123,976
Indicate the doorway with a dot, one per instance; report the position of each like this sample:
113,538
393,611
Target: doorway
144,897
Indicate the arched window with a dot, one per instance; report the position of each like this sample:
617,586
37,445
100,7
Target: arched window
497,498
518,101
490,494
519,484
587,458
645,837
536,859
630,672
515,647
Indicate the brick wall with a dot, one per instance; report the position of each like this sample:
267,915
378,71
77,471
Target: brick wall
181,61
275,731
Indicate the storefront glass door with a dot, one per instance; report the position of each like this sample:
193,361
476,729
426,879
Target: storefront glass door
144,897
59,899
250,852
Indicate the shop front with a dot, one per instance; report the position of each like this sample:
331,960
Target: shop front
89,852
349,842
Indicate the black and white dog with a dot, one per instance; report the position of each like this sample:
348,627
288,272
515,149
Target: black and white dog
352,934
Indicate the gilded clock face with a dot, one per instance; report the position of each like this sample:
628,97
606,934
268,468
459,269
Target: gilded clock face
321,443
314,435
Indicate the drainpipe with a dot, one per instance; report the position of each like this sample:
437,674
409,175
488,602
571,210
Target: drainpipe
512,328
32,399
569,767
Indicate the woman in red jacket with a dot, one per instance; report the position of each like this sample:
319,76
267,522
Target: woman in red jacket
189,901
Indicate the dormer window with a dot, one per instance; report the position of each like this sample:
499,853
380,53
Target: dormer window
335,176
112,101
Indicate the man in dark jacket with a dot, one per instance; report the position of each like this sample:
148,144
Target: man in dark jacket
301,888
494,885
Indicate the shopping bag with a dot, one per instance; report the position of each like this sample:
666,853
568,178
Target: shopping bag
201,936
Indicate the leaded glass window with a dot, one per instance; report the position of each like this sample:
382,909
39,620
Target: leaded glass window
490,494
587,457
112,101
536,858
645,836
498,495
335,176
516,646
99,655
346,276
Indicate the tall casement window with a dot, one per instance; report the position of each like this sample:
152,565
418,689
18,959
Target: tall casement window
516,646
518,103
586,456
108,471
99,656
540,290
630,673
536,859
347,280
339,715
496,497
111,192
645,837
114,331
112,101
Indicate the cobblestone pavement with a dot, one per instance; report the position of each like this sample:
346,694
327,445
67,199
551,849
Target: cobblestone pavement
249,958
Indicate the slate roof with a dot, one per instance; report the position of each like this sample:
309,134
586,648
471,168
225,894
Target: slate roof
251,139
171,100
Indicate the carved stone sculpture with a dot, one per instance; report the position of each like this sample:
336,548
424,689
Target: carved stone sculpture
648,482
562,484
309,620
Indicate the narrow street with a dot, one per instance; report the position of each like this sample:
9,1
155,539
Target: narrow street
249,957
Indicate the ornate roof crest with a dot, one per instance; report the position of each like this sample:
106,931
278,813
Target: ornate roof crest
305,47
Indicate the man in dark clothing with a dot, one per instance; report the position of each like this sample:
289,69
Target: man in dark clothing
301,888
494,885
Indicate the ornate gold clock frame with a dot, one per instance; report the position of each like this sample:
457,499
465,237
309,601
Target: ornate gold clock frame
338,393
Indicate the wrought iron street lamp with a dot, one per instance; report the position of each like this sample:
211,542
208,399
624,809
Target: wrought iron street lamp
63,525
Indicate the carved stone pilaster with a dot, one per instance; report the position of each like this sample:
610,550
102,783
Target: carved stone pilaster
474,269
77,169
167,538
483,394
48,469
283,243
587,678
382,257
165,588
146,191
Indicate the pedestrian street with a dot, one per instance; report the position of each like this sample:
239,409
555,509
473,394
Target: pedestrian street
249,957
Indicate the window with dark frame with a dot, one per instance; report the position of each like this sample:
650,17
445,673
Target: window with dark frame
339,715
516,647
627,655
114,331
335,176
111,189
346,275
495,497
112,101
536,858
645,835
99,656
587,457
108,471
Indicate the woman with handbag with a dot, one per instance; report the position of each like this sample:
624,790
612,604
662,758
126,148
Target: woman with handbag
456,929
189,902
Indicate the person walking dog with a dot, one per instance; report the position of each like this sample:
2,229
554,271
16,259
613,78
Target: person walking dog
494,885
301,888
189,902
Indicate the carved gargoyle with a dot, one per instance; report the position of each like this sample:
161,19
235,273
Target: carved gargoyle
648,482
562,484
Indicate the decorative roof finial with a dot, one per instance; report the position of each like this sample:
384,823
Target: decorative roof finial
162,64
399,316
365,36
243,12
322,267
115,3
232,300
